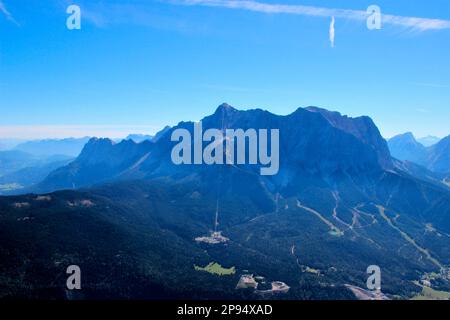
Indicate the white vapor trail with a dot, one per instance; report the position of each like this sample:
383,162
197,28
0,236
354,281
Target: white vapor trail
332,32
412,23
7,14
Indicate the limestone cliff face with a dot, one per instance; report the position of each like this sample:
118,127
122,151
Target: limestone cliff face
312,140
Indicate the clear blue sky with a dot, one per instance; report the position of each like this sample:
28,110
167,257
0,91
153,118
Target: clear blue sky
136,66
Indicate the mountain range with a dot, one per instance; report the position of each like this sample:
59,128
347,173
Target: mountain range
136,223
435,157
428,141
70,147
30,173
318,140
138,137
19,169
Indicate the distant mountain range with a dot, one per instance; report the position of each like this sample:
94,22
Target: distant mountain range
29,162
139,137
19,170
69,147
14,182
406,147
435,157
8,144
11,161
132,219
428,141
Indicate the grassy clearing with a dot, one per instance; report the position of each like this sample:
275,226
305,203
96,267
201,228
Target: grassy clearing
312,270
217,269
431,294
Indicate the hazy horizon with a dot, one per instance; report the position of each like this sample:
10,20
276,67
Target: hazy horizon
43,132
61,131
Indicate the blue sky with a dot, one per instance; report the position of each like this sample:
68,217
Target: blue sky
136,66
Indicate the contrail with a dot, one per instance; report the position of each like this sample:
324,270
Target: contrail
332,32
412,23
7,14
